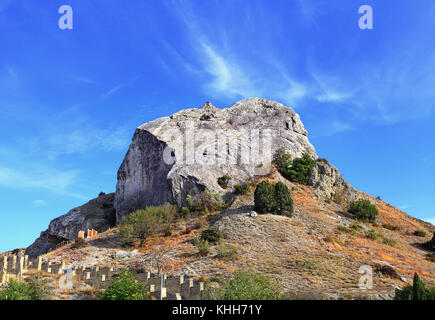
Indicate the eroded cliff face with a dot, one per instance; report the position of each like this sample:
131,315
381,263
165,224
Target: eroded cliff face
329,183
187,152
98,214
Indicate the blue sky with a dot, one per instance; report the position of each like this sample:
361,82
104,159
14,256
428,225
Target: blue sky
71,99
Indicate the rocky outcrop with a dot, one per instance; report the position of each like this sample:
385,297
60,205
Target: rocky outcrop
327,181
431,244
187,152
98,214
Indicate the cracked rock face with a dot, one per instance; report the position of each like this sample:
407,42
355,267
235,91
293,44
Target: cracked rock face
98,214
326,179
187,152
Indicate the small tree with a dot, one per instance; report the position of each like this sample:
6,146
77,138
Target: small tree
300,169
203,247
212,235
418,288
125,287
245,285
283,160
240,189
143,223
223,181
264,197
273,199
15,291
363,210
283,200
417,291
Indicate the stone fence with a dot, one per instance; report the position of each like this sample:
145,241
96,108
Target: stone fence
160,287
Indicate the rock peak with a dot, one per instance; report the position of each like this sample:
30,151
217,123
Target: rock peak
185,153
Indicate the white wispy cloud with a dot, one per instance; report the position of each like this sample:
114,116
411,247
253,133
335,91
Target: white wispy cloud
84,80
430,220
228,78
308,11
112,90
39,177
39,203
12,72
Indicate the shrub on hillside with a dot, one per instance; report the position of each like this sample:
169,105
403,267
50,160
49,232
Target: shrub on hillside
15,291
226,252
245,286
203,247
264,197
430,256
299,171
183,211
417,291
283,200
363,210
283,160
419,233
275,199
223,181
111,217
146,222
37,287
241,189
125,287
206,201
212,235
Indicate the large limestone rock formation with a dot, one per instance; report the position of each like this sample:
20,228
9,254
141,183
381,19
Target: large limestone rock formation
328,182
187,152
98,214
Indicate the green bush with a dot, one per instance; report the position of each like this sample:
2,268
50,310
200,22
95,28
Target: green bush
363,210
206,201
125,287
183,211
111,217
203,247
37,287
417,291
283,160
299,171
226,252
264,197
373,235
15,291
223,181
283,200
245,286
419,233
146,222
275,199
344,229
241,189
168,232
430,256
212,235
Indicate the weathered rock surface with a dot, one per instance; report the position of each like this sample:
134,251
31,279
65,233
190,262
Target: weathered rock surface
327,181
431,244
185,153
98,214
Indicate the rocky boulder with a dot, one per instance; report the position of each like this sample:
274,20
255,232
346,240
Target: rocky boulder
327,181
431,244
98,214
187,152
